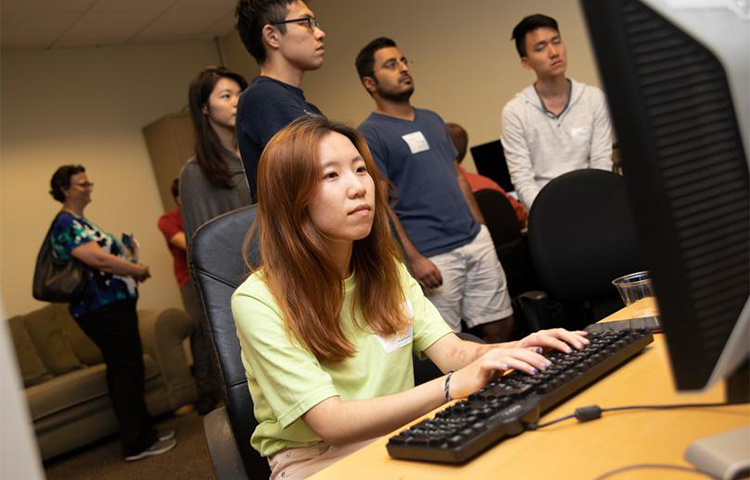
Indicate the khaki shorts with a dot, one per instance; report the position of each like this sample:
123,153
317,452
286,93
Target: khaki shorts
300,463
474,286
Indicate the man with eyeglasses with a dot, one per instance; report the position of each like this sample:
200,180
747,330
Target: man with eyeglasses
450,250
286,41
555,125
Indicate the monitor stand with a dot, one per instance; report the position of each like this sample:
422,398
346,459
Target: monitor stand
725,456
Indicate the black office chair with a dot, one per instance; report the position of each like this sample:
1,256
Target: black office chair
581,237
510,243
218,269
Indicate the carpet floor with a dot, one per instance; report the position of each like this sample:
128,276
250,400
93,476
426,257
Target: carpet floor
103,460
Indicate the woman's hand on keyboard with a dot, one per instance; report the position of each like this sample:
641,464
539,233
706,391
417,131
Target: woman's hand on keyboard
486,368
556,338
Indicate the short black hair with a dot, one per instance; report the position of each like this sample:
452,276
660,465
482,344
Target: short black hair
252,16
460,139
175,188
365,61
61,180
529,24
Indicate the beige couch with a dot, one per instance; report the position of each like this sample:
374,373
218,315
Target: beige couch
64,376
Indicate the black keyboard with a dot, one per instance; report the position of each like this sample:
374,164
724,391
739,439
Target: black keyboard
503,408
651,324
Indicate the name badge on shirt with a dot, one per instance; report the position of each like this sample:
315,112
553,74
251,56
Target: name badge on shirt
394,342
579,131
416,141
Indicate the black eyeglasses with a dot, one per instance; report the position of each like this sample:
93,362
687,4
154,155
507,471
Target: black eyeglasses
392,64
84,185
311,22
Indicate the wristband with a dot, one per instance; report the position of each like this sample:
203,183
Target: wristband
448,386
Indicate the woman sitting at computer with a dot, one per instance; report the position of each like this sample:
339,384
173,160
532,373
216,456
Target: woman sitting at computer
328,322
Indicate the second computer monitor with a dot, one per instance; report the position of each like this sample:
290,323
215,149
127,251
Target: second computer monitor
677,80
489,159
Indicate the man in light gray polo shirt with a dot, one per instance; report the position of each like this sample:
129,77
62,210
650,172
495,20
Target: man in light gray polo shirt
556,124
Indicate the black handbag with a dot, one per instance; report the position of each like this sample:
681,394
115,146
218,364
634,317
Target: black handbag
57,280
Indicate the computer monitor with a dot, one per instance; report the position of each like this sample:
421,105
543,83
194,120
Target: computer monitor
676,76
489,159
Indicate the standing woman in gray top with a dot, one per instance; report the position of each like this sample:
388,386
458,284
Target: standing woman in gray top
213,181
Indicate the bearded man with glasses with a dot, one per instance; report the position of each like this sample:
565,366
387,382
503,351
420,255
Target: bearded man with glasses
439,223
286,40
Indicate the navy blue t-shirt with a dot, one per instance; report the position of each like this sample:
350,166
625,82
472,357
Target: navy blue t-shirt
417,156
264,108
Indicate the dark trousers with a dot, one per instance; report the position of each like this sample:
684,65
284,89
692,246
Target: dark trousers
114,329
205,379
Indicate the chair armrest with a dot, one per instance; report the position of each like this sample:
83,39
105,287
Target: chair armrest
535,308
222,447
163,332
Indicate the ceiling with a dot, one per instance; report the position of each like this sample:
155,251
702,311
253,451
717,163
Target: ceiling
26,24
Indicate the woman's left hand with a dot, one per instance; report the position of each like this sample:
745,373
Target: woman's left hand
556,338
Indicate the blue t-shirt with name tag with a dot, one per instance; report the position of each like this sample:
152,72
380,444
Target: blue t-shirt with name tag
417,157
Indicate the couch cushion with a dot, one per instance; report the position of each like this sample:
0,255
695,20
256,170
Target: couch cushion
84,348
45,328
32,368
75,388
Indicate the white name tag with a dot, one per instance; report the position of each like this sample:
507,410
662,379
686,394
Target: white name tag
579,131
416,141
394,342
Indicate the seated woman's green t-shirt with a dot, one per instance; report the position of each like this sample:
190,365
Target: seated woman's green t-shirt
286,379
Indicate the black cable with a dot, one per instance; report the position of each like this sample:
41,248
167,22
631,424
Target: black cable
662,466
535,426
592,412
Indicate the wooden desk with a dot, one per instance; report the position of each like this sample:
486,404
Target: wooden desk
580,451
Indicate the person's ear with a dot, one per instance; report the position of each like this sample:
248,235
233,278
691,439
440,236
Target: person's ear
205,109
525,62
370,84
271,36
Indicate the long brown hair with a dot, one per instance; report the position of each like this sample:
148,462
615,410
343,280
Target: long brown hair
209,151
295,263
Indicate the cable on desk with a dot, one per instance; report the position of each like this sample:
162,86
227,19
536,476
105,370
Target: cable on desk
660,466
592,412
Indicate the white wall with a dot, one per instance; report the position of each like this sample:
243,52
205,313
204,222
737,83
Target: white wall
87,106
237,58
465,66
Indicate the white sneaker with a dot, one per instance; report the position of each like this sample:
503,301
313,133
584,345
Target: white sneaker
156,449
164,435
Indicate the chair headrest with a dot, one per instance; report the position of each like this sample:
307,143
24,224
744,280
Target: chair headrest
582,235
216,248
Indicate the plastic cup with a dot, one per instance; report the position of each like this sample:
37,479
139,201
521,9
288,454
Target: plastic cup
636,289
